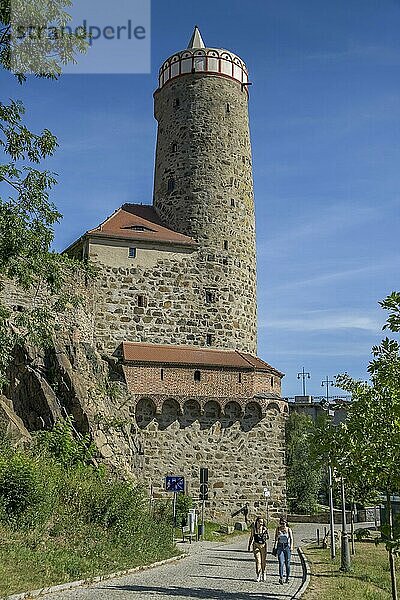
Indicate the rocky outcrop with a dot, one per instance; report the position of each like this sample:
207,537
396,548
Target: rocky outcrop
12,424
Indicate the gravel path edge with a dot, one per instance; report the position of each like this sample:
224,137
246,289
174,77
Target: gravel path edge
306,574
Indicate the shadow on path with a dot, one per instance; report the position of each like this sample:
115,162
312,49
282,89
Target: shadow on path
193,592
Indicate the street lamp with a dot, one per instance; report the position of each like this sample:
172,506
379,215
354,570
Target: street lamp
303,375
325,406
344,545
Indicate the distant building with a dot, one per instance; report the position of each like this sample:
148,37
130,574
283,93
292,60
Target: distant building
316,406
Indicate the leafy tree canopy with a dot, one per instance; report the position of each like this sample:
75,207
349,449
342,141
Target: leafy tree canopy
27,216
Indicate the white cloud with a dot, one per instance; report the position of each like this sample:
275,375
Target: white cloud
325,321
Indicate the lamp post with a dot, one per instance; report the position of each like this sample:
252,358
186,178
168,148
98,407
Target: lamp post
328,383
303,375
344,547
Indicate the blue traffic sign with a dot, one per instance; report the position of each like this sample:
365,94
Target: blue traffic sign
175,483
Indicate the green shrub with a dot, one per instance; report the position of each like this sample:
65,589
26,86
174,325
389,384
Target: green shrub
63,444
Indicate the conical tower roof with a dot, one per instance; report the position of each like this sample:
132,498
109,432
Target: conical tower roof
196,41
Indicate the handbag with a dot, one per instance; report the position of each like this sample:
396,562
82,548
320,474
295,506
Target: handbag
274,551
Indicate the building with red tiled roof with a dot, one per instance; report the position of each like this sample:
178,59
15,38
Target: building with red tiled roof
174,296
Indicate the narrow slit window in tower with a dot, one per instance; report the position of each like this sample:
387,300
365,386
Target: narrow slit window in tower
197,375
232,202
210,297
209,339
141,301
171,185
132,252
228,108
240,378
272,382
174,147
162,374
226,245
177,103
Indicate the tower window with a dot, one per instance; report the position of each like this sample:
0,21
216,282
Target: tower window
132,252
210,297
171,185
232,202
175,147
240,378
228,108
226,244
197,375
272,382
162,374
209,339
177,102
141,301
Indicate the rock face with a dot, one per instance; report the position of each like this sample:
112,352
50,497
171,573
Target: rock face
13,425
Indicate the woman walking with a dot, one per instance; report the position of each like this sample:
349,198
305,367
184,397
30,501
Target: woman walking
258,537
283,547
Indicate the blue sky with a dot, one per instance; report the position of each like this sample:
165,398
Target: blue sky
324,110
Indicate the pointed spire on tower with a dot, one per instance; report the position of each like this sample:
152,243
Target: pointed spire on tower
196,41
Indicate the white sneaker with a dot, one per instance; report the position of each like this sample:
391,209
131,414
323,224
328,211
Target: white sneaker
264,577
259,577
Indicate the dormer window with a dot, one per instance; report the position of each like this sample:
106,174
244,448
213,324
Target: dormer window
137,228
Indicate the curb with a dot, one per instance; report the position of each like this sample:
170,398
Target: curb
91,580
306,575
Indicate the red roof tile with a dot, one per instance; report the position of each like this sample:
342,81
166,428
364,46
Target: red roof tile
127,223
191,355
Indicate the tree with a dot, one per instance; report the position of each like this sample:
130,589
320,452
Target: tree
34,38
27,216
304,475
368,442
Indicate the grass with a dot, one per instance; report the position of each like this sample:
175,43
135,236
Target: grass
369,578
29,560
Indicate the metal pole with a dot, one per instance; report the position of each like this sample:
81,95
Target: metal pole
345,550
202,519
331,518
303,375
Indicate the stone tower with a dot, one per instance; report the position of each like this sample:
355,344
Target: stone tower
204,184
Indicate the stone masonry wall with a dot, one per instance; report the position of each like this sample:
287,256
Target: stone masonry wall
243,452
176,310
204,188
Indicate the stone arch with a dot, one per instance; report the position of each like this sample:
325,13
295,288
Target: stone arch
274,406
170,412
252,416
145,412
211,414
232,413
191,412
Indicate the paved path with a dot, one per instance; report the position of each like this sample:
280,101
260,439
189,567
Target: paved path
212,571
